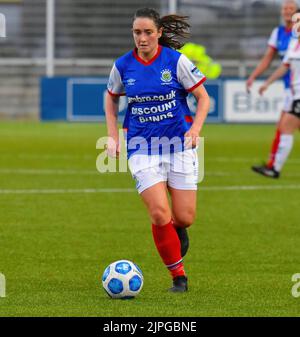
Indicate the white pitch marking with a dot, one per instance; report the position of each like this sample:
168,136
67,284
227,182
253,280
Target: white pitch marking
26,171
250,188
67,191
252,160
47,171
130,190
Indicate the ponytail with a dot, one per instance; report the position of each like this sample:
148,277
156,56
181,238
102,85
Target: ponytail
175,27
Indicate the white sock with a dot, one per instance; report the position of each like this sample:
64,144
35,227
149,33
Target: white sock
284,148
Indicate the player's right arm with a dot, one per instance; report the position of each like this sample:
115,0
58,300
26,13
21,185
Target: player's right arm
262,66
111,113
115,89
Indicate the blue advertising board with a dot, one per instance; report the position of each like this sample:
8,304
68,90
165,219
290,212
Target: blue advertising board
83,99
215,92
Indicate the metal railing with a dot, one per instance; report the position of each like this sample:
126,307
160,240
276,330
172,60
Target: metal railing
241,67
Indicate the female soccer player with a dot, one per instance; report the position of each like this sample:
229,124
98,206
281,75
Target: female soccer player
277,44
290,122
161,134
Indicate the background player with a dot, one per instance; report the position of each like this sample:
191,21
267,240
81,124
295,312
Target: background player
290,121
277,44
156,79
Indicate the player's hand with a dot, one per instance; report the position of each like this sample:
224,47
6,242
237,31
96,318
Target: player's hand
262,89
112,147
191,138
249,83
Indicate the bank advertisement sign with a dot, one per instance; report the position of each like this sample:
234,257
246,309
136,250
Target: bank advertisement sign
240,106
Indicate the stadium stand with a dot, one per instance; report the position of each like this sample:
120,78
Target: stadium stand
91,33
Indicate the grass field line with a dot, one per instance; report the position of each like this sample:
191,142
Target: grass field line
222,159
82,172
244,160
131,190
67,191
27,171
47,171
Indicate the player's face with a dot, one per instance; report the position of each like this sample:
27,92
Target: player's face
146,35
287,11
298,28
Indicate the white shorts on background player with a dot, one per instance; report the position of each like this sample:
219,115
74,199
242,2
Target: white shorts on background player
292,60
179,170
287,100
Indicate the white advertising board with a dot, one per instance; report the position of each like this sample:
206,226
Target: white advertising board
239,106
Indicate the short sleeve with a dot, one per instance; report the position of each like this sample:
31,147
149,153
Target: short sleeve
273,39
115,86
188,75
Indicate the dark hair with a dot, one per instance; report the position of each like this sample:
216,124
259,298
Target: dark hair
174,26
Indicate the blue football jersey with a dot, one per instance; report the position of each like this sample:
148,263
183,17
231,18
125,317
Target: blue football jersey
279,40
156,91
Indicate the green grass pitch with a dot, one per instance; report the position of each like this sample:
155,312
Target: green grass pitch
245,242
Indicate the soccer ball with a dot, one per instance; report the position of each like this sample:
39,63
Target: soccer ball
122,279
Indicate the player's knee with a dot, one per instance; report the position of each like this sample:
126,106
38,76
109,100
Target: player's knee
160,216
185,219
284,128
289,124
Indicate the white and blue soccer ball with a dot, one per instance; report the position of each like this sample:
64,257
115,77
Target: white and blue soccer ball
122,279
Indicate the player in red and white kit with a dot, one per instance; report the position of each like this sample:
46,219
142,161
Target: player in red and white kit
277,45
290,121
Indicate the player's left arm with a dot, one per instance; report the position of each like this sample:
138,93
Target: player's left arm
278,73
203,103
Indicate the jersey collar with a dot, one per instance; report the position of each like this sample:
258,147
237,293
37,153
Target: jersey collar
287,30
135,54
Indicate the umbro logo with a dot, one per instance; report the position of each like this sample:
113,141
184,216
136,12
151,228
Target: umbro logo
131,81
